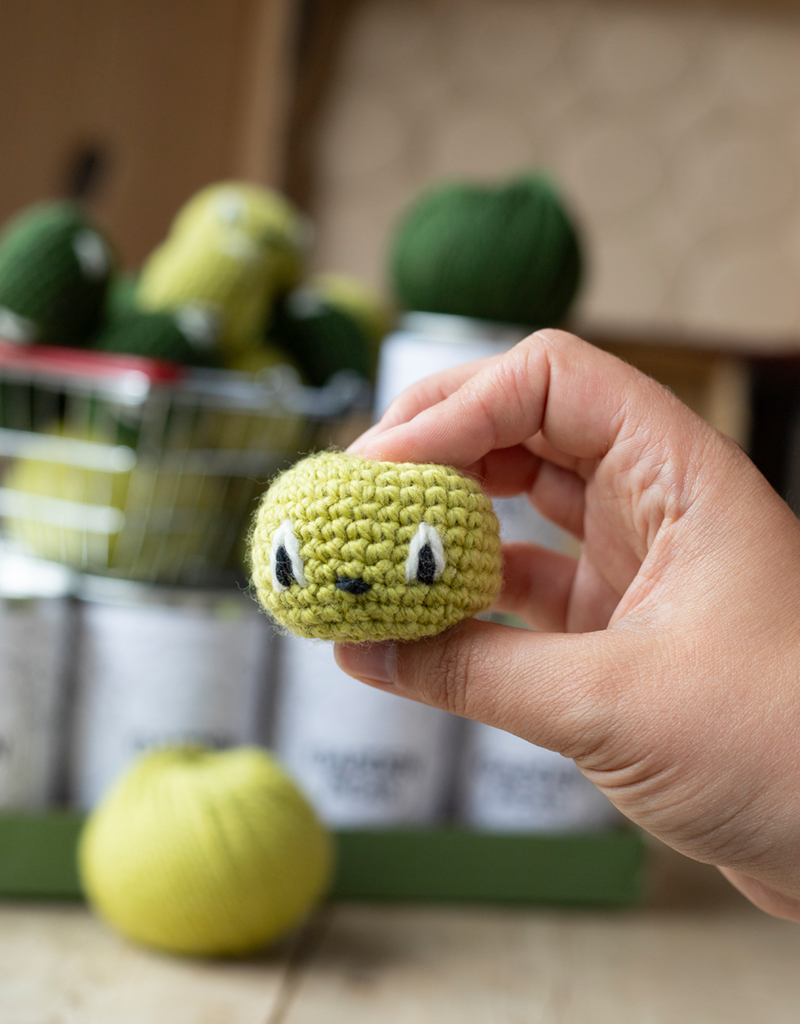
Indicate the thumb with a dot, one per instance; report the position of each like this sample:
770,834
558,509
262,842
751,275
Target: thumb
554,689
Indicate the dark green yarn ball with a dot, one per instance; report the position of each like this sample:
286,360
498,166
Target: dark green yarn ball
507,253
55,267
177,338
323,340
121,297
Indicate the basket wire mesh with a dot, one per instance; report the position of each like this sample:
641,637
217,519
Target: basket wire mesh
115,467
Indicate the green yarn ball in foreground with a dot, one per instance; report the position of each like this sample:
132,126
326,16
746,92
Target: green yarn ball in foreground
204,853
188,336
55,267
357,551
507,253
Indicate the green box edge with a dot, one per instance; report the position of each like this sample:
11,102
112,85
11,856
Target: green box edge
38,861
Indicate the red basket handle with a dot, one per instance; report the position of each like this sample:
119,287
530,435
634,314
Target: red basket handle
79,362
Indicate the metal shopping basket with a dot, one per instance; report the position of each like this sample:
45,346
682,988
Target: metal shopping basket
135,468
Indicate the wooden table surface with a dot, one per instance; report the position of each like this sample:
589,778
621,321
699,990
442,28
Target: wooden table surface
697,952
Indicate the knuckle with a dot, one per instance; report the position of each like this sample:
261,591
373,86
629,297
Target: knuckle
442,675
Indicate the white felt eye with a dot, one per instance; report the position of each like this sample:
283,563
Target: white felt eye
92,254
425,562
284,558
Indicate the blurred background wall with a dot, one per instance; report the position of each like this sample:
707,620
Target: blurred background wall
672,127
140,102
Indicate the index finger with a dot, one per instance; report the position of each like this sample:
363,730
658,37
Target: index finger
578,396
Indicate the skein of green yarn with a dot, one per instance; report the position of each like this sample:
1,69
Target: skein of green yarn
507,253
204,853
54,270
188,336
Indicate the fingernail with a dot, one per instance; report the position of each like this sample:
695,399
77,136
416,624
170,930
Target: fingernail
373,663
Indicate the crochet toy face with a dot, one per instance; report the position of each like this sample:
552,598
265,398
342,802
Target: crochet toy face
357,551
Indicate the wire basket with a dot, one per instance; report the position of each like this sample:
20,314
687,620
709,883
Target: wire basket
139,469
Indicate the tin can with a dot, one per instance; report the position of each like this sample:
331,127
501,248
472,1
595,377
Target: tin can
428,343
510,785
35,626
159,665
365,757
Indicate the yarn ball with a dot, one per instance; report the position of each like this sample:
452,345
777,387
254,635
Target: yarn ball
261,358
265,216
322,339
55,266
353,296
204,853
224,274
188,336
507,253
158,522
358,551
121,297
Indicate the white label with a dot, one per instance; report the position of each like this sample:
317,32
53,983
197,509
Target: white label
407,358
155,674
365,757
512,786
33,635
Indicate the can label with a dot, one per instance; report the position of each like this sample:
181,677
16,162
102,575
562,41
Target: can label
364,757
511,785
408,357
153,674
33,655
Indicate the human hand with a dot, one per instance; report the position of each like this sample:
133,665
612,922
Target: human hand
669,656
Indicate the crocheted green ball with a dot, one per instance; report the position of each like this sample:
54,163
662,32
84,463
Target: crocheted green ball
268,218
321,338
187,337
363,303
54,270
232,249
507,253
358,551
121,297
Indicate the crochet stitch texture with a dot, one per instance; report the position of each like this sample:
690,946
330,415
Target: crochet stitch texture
358,551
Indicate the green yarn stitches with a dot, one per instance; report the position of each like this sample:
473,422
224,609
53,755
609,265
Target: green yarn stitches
358,551
54,271
508,253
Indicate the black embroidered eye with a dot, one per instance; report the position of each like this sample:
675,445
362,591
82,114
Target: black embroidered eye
283,567
426,561
285,560
426,566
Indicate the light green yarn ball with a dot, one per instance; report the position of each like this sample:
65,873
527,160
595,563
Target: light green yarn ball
204,853
145,494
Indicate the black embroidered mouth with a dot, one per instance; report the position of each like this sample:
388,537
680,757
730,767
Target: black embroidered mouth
357,586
